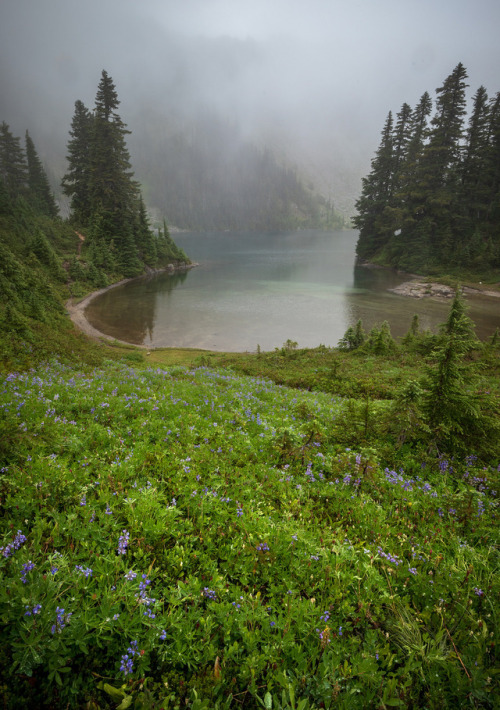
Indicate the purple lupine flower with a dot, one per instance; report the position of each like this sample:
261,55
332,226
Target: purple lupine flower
478,592
127,664
209,594
14,545
123,542
25,569
130,575
61,620
163,635
262,547
86,571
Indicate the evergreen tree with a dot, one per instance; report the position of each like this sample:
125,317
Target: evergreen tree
491,174
449,405
13,167
144,237
40,194
76,182
112,190
439,171
376,192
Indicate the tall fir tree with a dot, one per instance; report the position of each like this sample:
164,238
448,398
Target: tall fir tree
439,170
113,192
377,190
13,167
40,193
76,182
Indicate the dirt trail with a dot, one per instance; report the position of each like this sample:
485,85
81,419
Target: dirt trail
82,239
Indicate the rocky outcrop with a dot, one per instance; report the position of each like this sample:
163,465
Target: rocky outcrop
422,289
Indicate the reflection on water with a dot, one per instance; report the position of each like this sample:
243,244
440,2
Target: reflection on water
263,289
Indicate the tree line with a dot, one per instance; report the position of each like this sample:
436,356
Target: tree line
105,198
432,198
106,202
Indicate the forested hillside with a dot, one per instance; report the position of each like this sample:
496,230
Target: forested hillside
105,199
431,202
203,175
44,259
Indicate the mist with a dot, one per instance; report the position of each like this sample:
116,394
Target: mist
312,80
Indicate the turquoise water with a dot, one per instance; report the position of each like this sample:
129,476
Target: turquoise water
262,289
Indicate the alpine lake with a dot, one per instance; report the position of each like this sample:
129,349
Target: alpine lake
259,289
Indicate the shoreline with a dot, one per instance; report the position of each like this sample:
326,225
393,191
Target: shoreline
76,311
418,287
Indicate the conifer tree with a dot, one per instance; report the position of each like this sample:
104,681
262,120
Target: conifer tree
76,182
113,192
439,170
13,167
375,195
144,237
449,405
40,194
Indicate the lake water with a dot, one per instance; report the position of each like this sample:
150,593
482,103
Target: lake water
263,289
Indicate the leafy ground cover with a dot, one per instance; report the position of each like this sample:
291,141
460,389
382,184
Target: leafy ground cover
190,537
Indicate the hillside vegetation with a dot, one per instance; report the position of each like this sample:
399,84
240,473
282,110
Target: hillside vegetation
190,537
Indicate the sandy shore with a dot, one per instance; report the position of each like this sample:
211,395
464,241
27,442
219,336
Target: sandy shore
76,311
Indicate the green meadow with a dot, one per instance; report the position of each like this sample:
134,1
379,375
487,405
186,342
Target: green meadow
278,530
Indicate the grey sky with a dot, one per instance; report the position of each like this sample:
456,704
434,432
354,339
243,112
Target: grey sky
315,77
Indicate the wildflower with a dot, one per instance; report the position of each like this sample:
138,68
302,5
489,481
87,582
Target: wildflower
262,547
412,570
61,620
54,569
83,500
115,617
123,542
86,571
15,545
25,569
32,612
130,575
239,510
127,664
478,592
163,635
209,594
108,510
325,616
324,636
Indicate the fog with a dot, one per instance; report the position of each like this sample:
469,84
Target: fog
313,79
